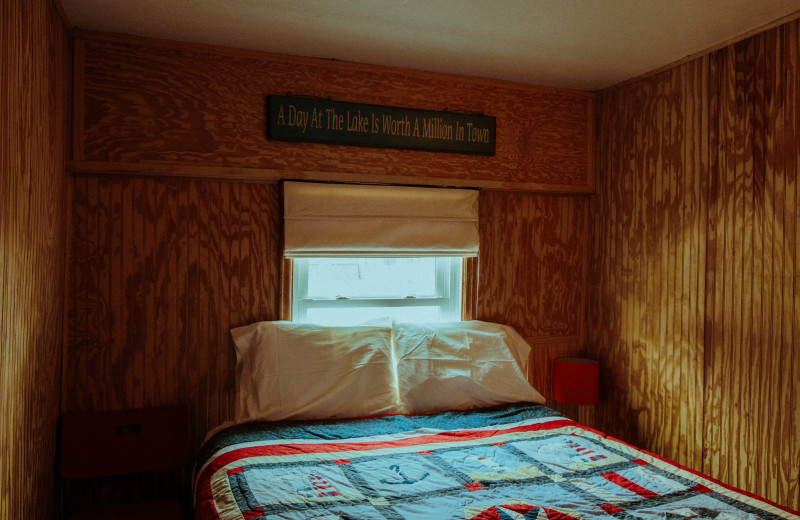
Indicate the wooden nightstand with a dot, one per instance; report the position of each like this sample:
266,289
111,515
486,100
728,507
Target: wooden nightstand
105,444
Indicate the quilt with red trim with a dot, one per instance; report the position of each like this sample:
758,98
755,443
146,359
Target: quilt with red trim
514,462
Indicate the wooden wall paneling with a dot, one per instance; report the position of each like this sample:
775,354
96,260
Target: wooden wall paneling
132,296
497,301
99,312
789,356
636,271
644,386
731,200
755,291
697,186
652,191
657,398
78,98
684,408
614,320
785,219
596,313
121,361
647,254
163,257
267,239
630,368
675,172
218,302
181,105
687,203
642,383
150,256
207,319
195,258
258,238
136,289
236,253
715,240
127,234
716,433
34,92
271,218
774,95
172,265
161,271
707,184
183,293
193,314
531,262
624,254
225,383
77,317
243,282
198,311
730,301
745,76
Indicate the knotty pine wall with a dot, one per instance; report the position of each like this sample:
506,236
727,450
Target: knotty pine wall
175,226
694,284
34,129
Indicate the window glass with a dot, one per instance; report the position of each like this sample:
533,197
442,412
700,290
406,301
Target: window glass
343,290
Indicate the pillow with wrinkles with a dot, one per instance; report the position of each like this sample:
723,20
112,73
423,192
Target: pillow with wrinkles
287,370
460,365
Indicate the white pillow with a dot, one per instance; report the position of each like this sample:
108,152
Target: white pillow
461,365
288,370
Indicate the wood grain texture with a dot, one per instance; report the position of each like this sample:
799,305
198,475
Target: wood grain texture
160,271
163,268
532,254
176,222
150,102
34,135
693,289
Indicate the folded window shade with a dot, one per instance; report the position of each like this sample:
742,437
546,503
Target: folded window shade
365,220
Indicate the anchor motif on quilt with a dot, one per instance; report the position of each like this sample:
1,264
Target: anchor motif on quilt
405,479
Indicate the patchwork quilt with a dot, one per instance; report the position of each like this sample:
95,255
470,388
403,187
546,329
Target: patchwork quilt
513,462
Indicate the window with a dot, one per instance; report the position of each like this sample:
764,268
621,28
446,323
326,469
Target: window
357,252
344,290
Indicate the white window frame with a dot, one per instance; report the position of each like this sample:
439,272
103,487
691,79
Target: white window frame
447,299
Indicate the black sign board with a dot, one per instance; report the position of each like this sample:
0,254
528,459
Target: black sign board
318,120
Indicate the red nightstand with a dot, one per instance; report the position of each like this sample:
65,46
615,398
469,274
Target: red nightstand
103,444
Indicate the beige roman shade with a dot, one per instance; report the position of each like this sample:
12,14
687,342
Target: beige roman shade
365,220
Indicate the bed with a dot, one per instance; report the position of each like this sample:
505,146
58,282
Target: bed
477,444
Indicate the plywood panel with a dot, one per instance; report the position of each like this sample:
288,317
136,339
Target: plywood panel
205,256
171,298
163,265
34,94
532,254
145,102
693,295
161,270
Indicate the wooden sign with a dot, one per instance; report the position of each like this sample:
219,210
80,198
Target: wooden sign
318,120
